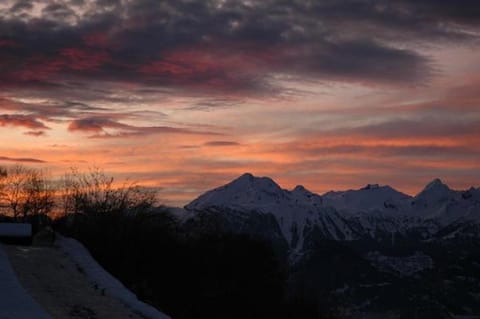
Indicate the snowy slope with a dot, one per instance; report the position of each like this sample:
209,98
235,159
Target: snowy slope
245,191
15,302
457,215
295,211
371,197
104,280
370,212
433,200
440,203
381,209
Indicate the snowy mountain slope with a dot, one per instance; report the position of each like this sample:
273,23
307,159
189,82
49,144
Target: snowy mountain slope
379,243
460,216
295,211
433,201
445,210
433,209
372,212
243,192
371,197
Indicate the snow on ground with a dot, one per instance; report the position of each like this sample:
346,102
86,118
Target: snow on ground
62,287
15,302
106,282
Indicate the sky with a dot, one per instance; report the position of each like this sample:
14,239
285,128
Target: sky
185,95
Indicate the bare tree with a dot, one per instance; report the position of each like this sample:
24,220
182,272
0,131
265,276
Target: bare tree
3,181
96,193
26,191
39,194
13,194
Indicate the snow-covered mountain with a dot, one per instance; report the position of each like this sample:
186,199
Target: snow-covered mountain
296,212
368,198
257,205
368,247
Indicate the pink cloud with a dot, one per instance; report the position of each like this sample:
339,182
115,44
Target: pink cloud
22,120
97,40
82,59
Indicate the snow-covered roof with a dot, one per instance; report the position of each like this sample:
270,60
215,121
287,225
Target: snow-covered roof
15,230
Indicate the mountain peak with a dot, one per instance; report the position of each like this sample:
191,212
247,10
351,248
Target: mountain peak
245,191
250,180
299,188
436,190
371,186
246,177
436,184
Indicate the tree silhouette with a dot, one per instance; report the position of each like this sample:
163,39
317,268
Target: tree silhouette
97,193
25,192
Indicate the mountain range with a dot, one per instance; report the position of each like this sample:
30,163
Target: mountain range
372,212
372,252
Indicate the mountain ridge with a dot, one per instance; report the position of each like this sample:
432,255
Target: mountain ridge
368,247
371,212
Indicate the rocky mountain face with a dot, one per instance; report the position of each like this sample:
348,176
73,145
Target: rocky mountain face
368,248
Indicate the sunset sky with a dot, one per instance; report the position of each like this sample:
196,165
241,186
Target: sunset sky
187,95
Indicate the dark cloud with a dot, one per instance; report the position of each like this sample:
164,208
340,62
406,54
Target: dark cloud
214,103
420,127
222,143
32,114
80,54
21,160
35,133
21,5
462,12
22,120
383,151
229,45
360,60
58,11
95,125
100,127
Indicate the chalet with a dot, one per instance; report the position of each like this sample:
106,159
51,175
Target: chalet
16,233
